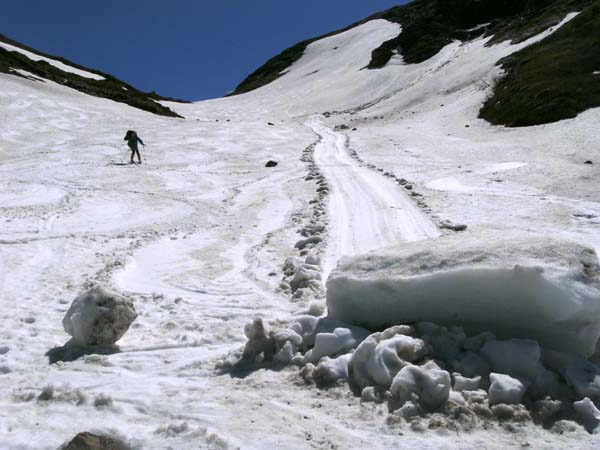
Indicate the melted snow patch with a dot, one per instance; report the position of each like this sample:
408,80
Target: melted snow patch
448,184
501,167
59,65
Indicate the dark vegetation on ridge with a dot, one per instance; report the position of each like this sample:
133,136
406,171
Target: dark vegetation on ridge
549,81
110,87
553,79
430,25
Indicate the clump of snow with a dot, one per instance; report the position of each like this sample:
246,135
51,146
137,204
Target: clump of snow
505,389
466,384
329,371
99,317
303,278
382,355
518,285
588,412
429,388
307,340
63,394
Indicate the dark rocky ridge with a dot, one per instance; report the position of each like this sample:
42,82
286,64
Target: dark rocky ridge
555,68
110,88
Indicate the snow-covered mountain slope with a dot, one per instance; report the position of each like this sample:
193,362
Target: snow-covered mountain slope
205,239
19,60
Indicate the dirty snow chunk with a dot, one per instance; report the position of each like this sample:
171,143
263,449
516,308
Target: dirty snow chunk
408,410
309,327
316,309
431,387
301,244
513,283
520,358
582,375
381,356
587,411
370,395
99,317
259,342
287,343
330,370
457,397
466,384
478,396
471,365
331,344
303,275
306,326
505,389
446,224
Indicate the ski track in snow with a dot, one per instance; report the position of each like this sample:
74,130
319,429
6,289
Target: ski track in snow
367,210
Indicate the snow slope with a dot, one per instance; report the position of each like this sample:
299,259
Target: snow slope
198,234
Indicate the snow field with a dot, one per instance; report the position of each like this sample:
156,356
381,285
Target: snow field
197,236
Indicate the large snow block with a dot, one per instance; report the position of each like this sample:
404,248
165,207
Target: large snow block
516,285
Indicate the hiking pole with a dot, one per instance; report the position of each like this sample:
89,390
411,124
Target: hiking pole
144,152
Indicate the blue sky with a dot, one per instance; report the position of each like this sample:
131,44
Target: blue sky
191,49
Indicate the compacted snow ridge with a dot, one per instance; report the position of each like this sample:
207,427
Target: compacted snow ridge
168,274
302,274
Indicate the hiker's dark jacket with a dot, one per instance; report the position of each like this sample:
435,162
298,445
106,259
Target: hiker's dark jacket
132,139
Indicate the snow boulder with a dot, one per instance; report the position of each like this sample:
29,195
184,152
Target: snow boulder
517,285
505,389
429,387
381,356
99,317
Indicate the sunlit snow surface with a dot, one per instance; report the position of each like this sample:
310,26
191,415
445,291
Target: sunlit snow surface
196,233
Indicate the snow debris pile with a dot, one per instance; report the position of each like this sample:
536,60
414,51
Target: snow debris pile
519,285
302,274
425,369
544,311
99,317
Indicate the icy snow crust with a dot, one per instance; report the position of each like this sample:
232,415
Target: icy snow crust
518,285
198,235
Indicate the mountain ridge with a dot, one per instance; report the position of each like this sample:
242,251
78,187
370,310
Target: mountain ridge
104,85
430,25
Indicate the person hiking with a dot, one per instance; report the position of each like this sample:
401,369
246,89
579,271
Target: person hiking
132,140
